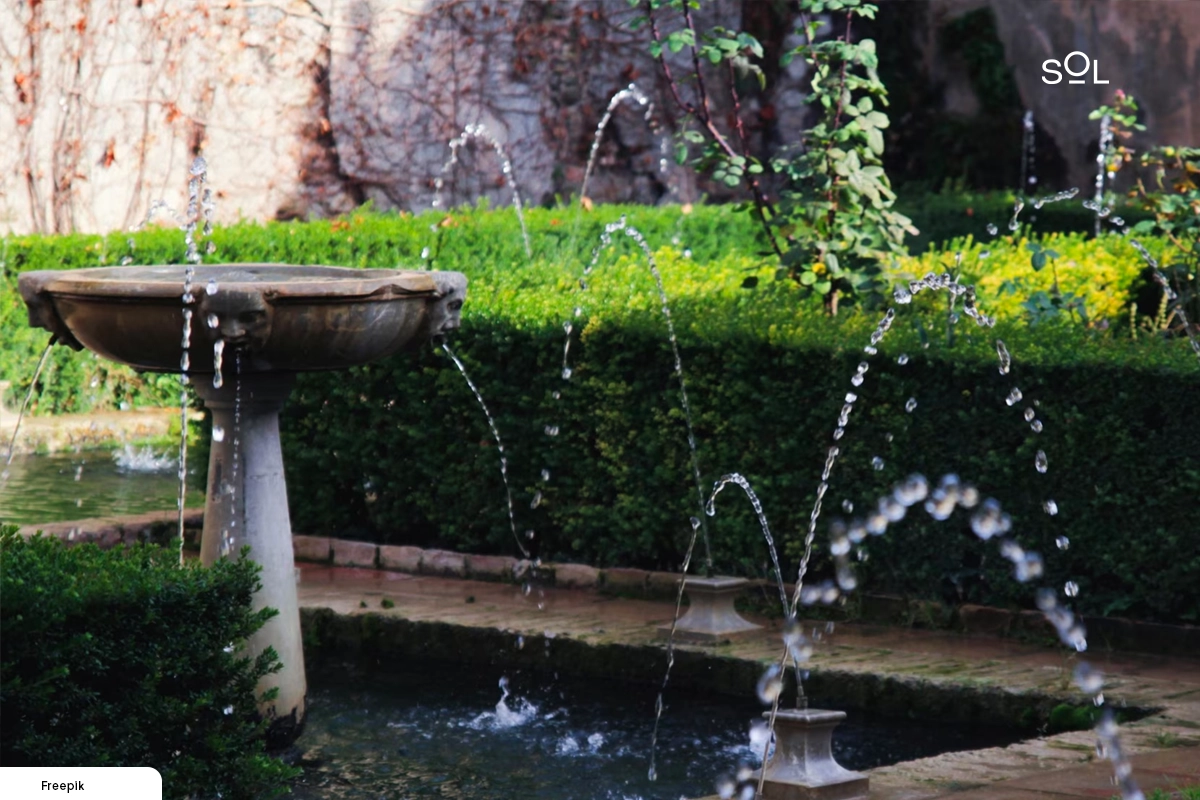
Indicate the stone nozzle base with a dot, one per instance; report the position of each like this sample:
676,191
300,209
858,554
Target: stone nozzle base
711,618
802,766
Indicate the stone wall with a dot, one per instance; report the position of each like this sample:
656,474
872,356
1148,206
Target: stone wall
310,107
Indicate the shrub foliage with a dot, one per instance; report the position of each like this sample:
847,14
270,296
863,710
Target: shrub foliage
399,452
122,658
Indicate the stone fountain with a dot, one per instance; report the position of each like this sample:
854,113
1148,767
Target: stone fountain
274,321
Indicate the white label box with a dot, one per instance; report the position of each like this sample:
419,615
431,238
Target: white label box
85,783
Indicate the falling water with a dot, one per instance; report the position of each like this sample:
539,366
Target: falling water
1066,194
479,131
630,92
1106,139
1028,153
988,520
637,237
199,206
1171,296
903,295
229,537
1014,223
12,441
652,772
512,523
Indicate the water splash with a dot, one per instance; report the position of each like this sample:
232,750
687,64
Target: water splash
144,459
512,522
480,131
505,716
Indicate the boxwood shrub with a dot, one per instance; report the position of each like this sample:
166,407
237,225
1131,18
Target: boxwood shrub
122,658
398,451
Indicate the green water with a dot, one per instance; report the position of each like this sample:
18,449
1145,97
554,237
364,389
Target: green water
68,486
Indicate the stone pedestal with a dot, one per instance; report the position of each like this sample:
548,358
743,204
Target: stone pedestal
247,505
710,616
802,766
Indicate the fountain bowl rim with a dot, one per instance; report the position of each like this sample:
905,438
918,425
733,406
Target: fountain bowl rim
279,282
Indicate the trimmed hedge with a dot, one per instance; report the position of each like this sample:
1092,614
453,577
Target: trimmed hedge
398,451
119,658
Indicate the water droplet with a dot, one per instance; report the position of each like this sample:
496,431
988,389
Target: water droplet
847,506
228,710
992,229
211,289
888,437
1099,701
877,463
990,520
1071,589
838,433
1062,542
213,320
726,787
537,500
1036,427
566,373
1014,397
857,380
911,405
218,433
545,475
1005,358
551,430
770,685
902,295
984,254
1030,414
870,350
760,734
1089,680
1040,461
902,359
851,397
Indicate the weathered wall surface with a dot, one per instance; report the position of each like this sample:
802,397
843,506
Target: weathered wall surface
106,101
1149,49
310,107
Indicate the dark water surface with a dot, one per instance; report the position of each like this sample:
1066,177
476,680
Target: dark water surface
93,483
438,732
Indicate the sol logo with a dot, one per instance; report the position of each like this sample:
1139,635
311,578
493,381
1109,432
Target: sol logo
1050,66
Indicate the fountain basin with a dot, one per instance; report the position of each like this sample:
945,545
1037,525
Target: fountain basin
284,318
264,323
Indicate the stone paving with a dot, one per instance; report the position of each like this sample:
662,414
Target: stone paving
1167,742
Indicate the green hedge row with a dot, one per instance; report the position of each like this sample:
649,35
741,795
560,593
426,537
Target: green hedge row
399,452
121,658
466,238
